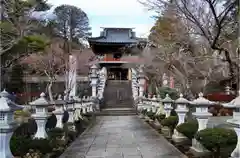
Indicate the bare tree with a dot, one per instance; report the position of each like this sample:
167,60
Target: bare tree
50,63
207,19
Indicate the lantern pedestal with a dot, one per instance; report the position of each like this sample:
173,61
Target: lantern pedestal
167,111
41,124
5,137
197,149
178,137
59,116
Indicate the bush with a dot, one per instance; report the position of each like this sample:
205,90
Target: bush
171,122
220,141
151,115
41,145
55,133
188,129
166,90
19,145
160,117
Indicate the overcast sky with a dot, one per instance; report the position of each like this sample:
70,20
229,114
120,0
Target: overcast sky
112,13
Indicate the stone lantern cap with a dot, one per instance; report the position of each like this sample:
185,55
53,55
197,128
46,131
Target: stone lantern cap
7,105
94,66
42,101
182,100
59,101
235,103
167,99
201,101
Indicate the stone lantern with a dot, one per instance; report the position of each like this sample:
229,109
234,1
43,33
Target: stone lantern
202,116
181,111
41,115
167,103
59,111
70,109
94,80
7,123
235,122
141,80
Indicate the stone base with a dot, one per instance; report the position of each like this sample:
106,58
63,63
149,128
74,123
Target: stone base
166,132
198,150
178,137
141,116
157,125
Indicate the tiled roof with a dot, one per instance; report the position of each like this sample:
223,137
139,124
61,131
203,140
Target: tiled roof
116,35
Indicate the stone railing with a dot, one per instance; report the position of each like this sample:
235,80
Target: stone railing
75,108
181,106
98,79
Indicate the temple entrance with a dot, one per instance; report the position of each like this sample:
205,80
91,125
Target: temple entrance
117,74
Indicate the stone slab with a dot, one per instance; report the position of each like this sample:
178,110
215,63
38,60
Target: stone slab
121,137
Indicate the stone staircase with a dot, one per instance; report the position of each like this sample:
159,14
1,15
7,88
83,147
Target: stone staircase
118,99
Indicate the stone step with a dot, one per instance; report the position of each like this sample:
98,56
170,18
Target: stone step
116,112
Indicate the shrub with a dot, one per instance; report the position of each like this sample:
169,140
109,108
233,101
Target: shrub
170,122
19,145
41,145
160,117
220,141
55,133
188,129
151,115
166,90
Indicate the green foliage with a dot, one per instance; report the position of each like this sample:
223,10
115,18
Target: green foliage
171,122
160,117
19,145
188,129
144,111
151,115
166,90
55,133
41,145
220,141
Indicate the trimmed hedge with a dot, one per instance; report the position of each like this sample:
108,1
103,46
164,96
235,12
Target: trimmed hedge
188,129
151,115
171,122
220,141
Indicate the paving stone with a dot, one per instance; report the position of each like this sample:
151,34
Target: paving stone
121,137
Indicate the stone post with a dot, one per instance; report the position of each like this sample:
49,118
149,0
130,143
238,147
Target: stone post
59,111
7,123
167,103
94,80
41,115
235,122
202,116
70,109
141,80
181,111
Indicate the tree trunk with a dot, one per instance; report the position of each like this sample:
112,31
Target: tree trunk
50,91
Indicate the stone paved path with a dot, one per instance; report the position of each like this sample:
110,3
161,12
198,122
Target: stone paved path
121,137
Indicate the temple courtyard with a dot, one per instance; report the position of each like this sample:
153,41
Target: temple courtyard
121,137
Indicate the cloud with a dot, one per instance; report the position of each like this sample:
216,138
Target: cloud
111,13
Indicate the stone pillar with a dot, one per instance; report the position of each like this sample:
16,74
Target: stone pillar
167,103
94,79
181,111
59,111
141,81
41,115
7,123
70,109
235,122
202,116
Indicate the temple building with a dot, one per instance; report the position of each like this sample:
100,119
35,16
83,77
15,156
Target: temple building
117,48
